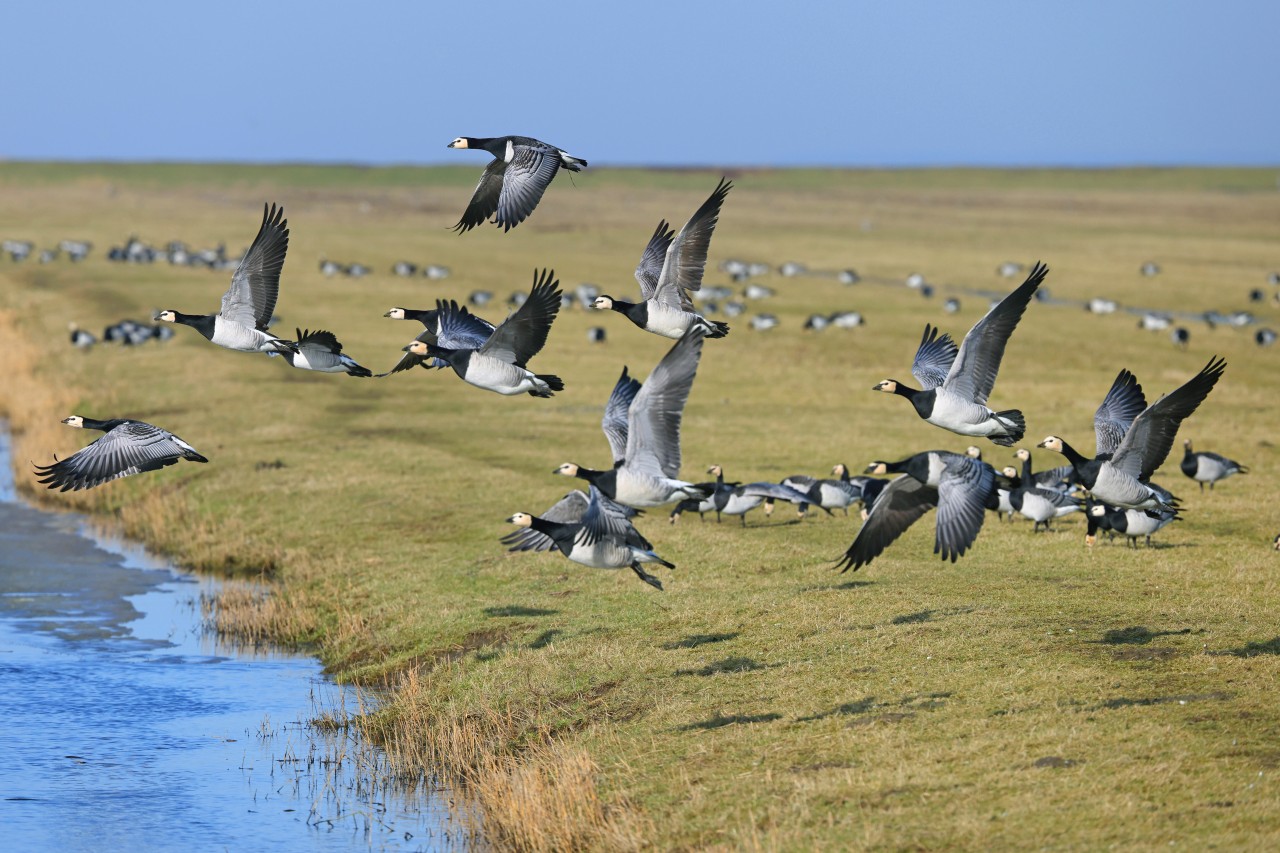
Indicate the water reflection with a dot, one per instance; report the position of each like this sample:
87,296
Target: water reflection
130,727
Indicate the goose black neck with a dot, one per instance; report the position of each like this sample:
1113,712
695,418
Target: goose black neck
561,534
202,323
105,426
1073,456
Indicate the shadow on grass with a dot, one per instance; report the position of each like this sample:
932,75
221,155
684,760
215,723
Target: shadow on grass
927,615
845,585
694,640
1127,702
719,721
545,638
1136,635
517,610
733,664
1250,650
863,707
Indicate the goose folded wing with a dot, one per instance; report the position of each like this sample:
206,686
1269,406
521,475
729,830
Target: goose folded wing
251,299
1124,402
519,337
973,374
1149,440
898,507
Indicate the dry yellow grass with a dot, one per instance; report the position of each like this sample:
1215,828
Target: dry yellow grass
1035,694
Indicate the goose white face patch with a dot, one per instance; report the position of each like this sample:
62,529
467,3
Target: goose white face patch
74,421
395,314
166,317
460,142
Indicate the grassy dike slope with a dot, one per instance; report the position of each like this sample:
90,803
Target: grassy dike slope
1035,694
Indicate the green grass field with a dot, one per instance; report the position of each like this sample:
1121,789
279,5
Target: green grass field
1034,694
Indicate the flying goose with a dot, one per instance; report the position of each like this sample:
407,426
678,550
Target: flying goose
498,364
248,304
650,466
670,269
592,531
959,486
1121,479
957,382
129,447
1208,468
465,331
513,183
321,351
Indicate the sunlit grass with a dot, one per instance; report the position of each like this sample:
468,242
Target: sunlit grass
1034,694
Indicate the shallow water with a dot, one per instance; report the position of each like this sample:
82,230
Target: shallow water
128,726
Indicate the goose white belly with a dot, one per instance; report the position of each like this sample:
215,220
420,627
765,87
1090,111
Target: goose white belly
667,321
1138,523
641,491
962,417
498,376
741,504
1037,508
1120,490
831,496
238,336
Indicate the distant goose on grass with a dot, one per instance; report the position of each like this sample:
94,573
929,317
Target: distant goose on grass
670,269
499,364
513,183
463,330
1204,467
321,351
739,499
957,382
1180,336
649,471
247,306
837,492
960,487
1054,479
1122,479
80,339
592,531
129,447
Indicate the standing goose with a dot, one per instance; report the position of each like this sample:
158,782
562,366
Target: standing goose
1121,479
959,486
513,183
828,494
670,269
592,531
465,331
498,364
1130,523
1040,504
1054,479
129,447
321,351
647,476
739,499
958,382
1204,467
248,304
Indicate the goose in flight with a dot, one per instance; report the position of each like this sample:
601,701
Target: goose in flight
593,531
960,486
128,447
1122,478
498,364
957,381
321,351
248,304
465,331
647,475
513,183
670,269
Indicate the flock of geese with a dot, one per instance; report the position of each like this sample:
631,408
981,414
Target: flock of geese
642,421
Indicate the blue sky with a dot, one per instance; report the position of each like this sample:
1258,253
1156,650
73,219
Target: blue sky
669,83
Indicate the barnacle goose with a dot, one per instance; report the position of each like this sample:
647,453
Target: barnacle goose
513,183
128,447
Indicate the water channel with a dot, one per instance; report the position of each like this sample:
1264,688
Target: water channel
129,726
